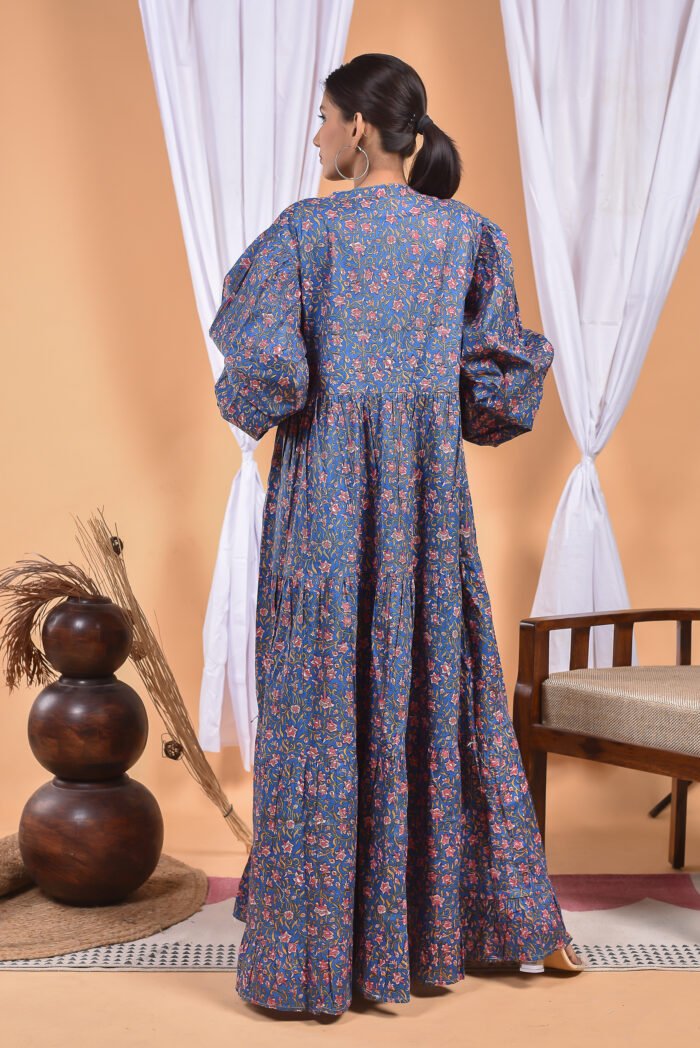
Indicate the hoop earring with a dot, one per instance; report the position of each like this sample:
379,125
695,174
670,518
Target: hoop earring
335,161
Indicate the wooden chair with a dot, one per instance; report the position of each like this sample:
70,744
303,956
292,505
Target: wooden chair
643,717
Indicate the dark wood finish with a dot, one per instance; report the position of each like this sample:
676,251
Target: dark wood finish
92,835
622,644
92,730
609,751
580,644
87,637
683,642
91,844
536,740
679,811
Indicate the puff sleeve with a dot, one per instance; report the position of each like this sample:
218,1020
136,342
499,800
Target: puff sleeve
257,329
502,365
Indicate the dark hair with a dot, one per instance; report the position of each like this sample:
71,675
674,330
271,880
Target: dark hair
391,96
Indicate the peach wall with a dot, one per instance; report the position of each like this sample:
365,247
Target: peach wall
107,397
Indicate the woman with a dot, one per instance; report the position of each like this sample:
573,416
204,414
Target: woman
394,833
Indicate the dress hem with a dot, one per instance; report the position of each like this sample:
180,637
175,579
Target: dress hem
403,997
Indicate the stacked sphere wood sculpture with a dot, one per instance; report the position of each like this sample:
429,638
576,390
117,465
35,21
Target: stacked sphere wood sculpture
92,835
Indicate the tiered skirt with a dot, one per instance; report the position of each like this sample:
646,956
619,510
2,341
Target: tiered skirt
394,831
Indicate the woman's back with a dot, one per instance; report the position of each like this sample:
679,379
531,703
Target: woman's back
379,326
384,274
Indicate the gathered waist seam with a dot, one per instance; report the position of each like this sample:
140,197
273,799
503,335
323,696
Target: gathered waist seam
364,394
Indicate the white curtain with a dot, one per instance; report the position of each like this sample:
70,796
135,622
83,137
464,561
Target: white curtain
238,86
607,103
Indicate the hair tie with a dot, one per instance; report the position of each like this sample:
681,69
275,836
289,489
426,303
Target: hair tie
422,123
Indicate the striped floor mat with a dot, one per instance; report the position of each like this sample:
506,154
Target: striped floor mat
620,922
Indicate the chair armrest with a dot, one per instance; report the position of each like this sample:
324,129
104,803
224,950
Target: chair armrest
605,618
533,654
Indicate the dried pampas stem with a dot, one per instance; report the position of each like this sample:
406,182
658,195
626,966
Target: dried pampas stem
27,588
102,549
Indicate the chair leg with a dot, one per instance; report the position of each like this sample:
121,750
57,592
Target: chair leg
679,809
537,777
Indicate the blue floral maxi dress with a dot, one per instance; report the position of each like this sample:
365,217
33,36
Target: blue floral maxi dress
394,830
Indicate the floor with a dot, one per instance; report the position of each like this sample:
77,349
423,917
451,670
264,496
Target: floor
58,1009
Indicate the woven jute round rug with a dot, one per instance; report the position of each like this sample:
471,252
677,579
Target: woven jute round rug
33,925
13,873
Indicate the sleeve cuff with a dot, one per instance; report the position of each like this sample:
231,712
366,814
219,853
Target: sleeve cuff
236,406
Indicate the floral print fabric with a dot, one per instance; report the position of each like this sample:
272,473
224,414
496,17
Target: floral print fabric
394,831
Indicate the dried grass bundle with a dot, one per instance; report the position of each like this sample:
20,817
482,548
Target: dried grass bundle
28,588
103,551
40,582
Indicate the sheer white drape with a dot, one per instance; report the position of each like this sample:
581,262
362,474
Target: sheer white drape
607,103
238,86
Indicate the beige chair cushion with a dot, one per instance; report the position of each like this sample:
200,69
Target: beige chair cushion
647,705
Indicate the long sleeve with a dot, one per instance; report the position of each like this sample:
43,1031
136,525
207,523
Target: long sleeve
257,329
503,365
